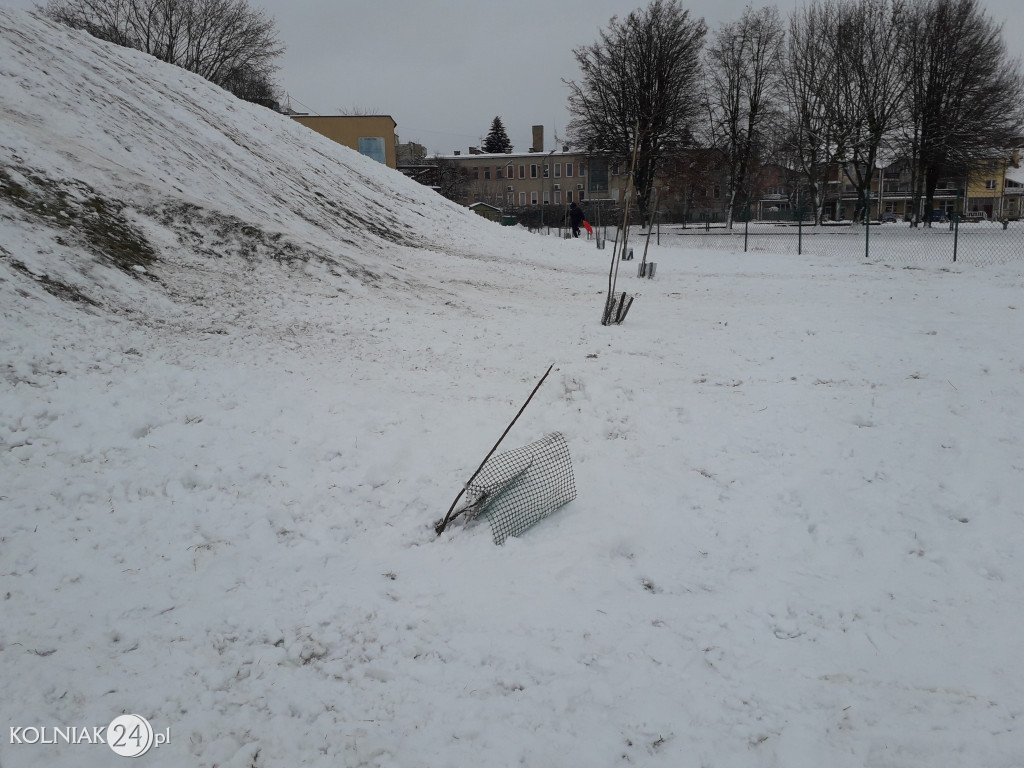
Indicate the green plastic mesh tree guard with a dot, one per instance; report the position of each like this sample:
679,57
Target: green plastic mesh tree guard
516,489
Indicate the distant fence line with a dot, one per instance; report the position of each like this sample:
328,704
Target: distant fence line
968,241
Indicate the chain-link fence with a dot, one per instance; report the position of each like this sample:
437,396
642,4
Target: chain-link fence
968,241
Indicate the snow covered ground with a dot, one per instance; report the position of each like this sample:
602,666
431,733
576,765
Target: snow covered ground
244,370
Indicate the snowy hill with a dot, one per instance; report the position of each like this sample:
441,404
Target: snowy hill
245,369
134,161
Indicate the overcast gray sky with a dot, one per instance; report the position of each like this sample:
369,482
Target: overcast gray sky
444,68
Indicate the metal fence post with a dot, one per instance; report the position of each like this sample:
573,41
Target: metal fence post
867,225
799,225
746,229
956,233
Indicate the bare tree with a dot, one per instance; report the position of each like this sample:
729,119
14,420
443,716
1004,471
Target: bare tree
813,135
225,41
869,49
691,178
639,88
358,110
963,103
452,179
741,88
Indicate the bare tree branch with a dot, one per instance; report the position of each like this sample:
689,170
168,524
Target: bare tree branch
225,41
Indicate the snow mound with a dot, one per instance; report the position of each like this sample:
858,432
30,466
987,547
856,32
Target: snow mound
114,160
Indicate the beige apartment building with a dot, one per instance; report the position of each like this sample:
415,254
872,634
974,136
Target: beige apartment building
538,177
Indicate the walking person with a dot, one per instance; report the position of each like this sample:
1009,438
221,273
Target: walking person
575,218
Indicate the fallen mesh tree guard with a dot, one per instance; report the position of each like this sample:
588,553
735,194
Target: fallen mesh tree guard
517,489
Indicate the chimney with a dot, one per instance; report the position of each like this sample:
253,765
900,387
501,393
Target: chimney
458,152
474,151
538,138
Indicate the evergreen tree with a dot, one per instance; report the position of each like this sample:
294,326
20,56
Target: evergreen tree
497,140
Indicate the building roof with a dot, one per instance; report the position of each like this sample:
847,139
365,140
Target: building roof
508,156
344,117
1015,174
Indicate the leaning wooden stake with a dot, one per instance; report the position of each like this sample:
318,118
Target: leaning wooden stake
613,272
442,524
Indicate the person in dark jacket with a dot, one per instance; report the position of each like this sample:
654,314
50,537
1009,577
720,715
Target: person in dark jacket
575,218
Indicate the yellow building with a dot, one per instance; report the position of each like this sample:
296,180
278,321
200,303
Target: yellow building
370,135
994,188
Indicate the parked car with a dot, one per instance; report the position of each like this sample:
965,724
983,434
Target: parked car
889,217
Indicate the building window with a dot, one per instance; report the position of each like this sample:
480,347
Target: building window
558,197
583,169
533,170
568,196
547,170
568,169
533,198
487,172
476,172
498,171
547,199
522,197
718,192
558,170
598,176
373,146
522,171
581,195
990,184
